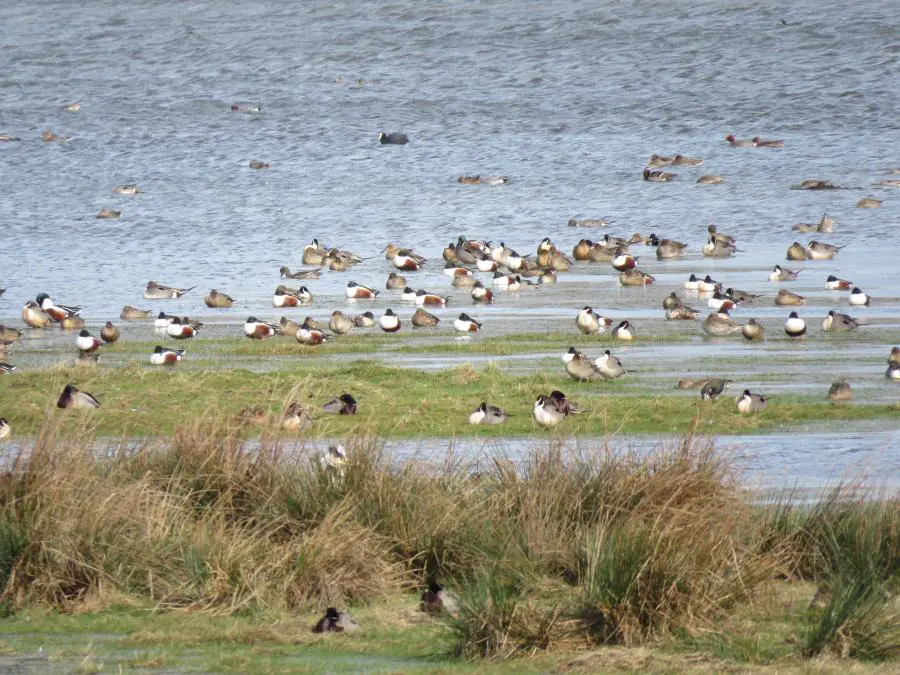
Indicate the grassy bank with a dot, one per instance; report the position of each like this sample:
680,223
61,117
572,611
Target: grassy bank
553,558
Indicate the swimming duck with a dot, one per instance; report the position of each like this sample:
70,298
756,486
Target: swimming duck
162,356
796,252
780,273
179,330
404,258
784,297
710,179
589,222
858,298
452,269
393,138
127,189
344,404
657,176
720,324
623,261
109,333
423,319
716,248
364,320
358,292
753,331
258,164
681,160
813,184
130,313
436,600
56,312
246,107
291,297
339,324
839,391
832,283
836,322
589,321
741,296
295,417
288,327
108,214
657,161
681,313
494,180
6,138
466,324
692,284
720,303
609,366
489,415
624,331
218,300
507,282
740,142
818,250
49,137
5,429
709,285
7,369
481,294
408,295
310,335
155,291
425,299
666,249
767,142
335,622
72,397
286,273
635,277
887,183
313,253
395,282
713,388
469,180
578,365
389,322
825,225
751,403
794,326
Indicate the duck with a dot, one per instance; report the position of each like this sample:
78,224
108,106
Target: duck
578,365
436,600
34,316
49,137
692,284
108,214
481,294
710,179
56,312
291,297
839,391
179,330
155,291
127,189
753,331
623,261
549,411
547,277
796,252
582,250
716,248
395,282
825,225
485,264
217,299
452,269
588,321
408,295
6,138
814,184
681,313
389,322
713,388
780,273
358,292
449,253
833,283
425,299
750,403
767,142
893,371
709,285
246,107
488,415
404,258
344,404
720,324
258,164
423,319
672,301
719,302
858,298
608,366
162,356
894,357
794,326
740,142
681,160
635,277
5,429
334,459
666,249
818,250
109,333
393,138
719,237
466,324
784,297
72,397
130,313
9,335
691,384
295,417
7,369
589,222
657,176
835,322
657,161
288,327
313,253
72,323
311,335
339,324
335,622
507,282
463,281
741,296
313,273
162,321
624,331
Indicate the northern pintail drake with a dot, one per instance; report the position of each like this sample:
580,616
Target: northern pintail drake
692,284
335,622
635,277
783,297
72,397
9,335
738,295
488,415
717,236
163,356
589,222
395,282
672,301
710,179
835,322
246,107
753,331
657,161
624,331
657,176
109,333
794,326
720,324
291,297
709,285
681,313
130,313
819,250
588,321
393,138
309,335
288,327
408,295
155,291
56,312
7,369
858,298
5,429
740,142
814,184
713,388
481,294
549,411
108,214
364,320
466,324
507,282
719,303
389,322
49,137
825,225
751,403
681,160
313,253
423,319
832,283
313,273
425,299
358,292
667,249
180,330
404,258
609,366
839,391
260,330
258,164
217,299
623,261
796,252
767,142
344,404
717,248
780,273
340,324
579,366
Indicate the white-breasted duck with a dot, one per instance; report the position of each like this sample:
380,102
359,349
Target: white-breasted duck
56,312
833,283
425,299
87,343
291,297
180,330
609,366
749,402
488,415
579,366
858,298
72,397
389,322
709,285
358,292
260,330
624,331
780,273
588,321
794,326
309,335
163,356
657,175
836,322
466,324
481,294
